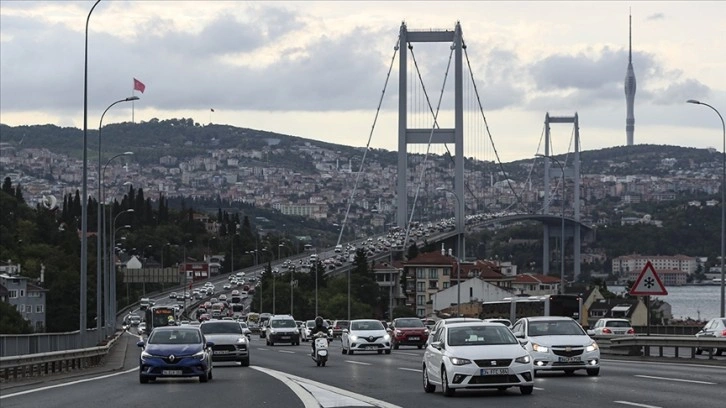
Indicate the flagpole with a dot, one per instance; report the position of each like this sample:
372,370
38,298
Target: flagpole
133,93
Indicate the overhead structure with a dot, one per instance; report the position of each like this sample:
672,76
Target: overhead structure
434,135
574,175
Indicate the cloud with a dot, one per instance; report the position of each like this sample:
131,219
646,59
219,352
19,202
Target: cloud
656,16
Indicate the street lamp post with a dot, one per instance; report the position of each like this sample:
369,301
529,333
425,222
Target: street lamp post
292,271
272,272
458,254
562,228
99,239
723,202
84,195
112,264
110,319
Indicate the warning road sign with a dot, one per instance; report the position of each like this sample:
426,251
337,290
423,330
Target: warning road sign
648,283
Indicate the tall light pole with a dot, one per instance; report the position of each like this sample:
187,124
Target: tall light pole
109,319
112,274
723,202
292,270
272,272
458,254
562,229
84,195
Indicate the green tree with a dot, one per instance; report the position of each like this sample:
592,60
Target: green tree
11,321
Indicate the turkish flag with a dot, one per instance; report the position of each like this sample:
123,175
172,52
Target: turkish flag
139,86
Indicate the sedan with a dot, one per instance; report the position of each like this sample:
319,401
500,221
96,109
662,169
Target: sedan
366,335
476,356
230,342
558,343
175,351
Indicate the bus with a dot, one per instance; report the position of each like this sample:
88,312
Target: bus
157,316
548,305
253,321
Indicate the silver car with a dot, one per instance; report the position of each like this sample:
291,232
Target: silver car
230,342
714,328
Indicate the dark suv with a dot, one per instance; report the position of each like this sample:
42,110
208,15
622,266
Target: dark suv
282,329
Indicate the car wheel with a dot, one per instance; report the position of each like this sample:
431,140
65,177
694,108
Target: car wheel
380,351
272,343
428,387
388,351
699,351
343,350
143,379
350,351
526,389
395,346
569,371
203,378
209,376
593,372
719,352
318,363
245,362
322,363
420,347
449,392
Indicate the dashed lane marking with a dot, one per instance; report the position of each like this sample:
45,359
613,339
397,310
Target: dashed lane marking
675,379
286,351
635,404
415,370
357,362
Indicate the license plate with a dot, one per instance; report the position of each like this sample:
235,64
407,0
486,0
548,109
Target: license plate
285,337
371,348
414,338
221,351
569,359
494,371
171,372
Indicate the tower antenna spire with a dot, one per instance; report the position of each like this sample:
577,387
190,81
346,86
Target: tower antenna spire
630,36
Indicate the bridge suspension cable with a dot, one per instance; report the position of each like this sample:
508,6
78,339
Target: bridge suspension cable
368,144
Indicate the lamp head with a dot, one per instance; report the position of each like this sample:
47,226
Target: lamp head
130,210
127,153
132,98
693,101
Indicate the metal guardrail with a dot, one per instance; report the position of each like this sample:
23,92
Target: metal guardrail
643,345
40,364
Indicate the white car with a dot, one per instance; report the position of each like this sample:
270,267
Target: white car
558,343
613,327
476,355
366,335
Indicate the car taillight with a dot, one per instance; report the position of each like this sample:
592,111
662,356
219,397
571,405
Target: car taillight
606,331
631,331
723,333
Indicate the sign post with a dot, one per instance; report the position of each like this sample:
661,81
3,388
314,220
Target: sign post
647,284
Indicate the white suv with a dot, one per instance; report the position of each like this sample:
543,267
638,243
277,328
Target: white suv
558,343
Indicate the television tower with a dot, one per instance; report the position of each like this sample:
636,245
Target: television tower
630,86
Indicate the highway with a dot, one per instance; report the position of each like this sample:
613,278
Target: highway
286,376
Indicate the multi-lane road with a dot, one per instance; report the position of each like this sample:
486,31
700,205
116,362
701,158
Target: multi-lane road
285,376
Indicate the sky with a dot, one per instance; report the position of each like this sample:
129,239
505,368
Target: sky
319,70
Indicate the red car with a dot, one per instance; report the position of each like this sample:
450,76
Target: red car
409,331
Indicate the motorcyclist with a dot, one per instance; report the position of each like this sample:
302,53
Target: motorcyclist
320,327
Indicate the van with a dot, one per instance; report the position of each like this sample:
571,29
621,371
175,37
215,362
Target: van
339,248
144,303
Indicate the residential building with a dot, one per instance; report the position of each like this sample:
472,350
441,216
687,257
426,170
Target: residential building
623,265
27,297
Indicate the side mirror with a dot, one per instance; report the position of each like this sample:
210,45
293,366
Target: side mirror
523,342
140,343
210,344
437,345
345,330
519,335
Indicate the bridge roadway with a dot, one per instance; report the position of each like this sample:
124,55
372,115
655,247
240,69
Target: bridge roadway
285,376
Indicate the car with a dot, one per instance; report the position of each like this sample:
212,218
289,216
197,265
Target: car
450,320
173,295
558,343
613,327
408,331
282,329
365,335
476,355
141,328
226,286
230,341
505,322
135,320
175,351
338,327
302,326
714,328
245,330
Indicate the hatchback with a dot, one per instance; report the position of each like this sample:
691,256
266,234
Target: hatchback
476,355
409,331
366,335
175,351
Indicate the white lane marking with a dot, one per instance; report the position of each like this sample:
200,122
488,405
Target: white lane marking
539,389
67,384
415,370
328,399
635,404
357,362
301,380
286,351
675,379
407,354
307,399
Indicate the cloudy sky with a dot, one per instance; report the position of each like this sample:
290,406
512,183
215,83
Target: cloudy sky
318,69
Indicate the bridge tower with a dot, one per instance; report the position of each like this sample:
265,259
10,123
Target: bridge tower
573,174
408,136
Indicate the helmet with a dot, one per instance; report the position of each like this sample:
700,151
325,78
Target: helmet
319,321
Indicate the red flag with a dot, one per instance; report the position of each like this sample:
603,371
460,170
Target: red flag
139,86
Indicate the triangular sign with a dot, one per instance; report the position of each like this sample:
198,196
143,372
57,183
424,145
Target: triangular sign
648,283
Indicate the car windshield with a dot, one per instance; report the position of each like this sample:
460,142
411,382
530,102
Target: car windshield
176,336
366,325
555,328
310,323
617,323
409,323
480,336
243,325
342,323
285,323
221,328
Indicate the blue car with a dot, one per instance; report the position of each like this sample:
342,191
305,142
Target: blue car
175,351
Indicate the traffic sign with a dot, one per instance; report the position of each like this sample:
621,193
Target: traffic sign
648,283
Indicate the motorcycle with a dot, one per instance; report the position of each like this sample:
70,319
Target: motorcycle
320,356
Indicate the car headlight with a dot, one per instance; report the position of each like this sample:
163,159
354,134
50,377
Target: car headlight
592,347
523,360
398,333
242,339
297,331
426,332
200,355
353,337
539,348
386,337
459,361
272,331
145,355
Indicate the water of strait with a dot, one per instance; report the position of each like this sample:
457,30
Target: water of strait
695,302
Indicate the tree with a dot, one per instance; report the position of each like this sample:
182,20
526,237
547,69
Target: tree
11,321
